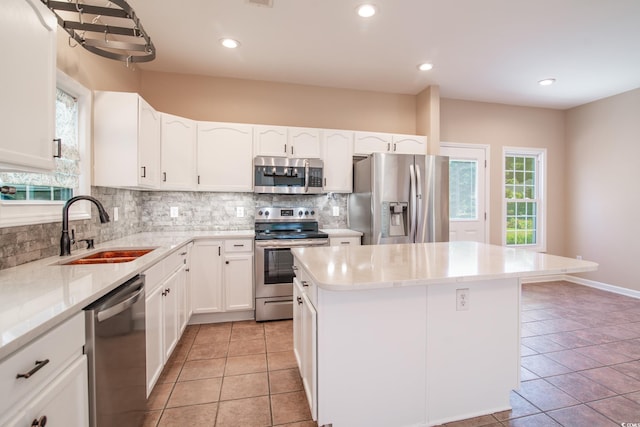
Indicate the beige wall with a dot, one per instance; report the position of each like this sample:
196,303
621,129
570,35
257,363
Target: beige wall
603,202
248,101
499,125
428,117
94,71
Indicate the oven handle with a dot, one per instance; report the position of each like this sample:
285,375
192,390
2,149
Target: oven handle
291,243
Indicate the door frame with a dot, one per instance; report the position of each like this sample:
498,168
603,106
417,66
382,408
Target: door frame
487,182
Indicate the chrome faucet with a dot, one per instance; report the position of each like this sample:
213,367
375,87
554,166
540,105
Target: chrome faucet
65,242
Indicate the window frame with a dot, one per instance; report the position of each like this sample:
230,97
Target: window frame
17,213
541,195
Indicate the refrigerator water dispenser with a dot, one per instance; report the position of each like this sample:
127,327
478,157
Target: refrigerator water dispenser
394,219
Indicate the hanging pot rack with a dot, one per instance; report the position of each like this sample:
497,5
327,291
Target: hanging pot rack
123,38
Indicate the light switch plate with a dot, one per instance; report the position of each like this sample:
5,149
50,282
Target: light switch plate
240,211
115,214
336,210
173,212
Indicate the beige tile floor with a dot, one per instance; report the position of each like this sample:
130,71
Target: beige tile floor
580,367
231,374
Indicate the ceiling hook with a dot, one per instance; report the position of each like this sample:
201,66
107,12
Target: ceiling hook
78,8
72,45
106,31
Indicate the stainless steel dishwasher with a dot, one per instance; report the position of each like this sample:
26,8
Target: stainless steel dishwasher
116,351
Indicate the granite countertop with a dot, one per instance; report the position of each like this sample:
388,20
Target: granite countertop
338,268
39,295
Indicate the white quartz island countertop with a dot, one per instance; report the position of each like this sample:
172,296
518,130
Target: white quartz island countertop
385,266
37,296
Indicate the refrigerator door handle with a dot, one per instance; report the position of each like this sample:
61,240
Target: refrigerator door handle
413,197
420,226
306,174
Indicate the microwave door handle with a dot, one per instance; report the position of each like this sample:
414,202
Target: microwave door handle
306,175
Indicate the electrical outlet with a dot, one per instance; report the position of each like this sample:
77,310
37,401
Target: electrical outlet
336,211
115,214
173,212
240,211
462,299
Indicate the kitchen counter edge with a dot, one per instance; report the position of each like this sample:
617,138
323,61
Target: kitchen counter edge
47,275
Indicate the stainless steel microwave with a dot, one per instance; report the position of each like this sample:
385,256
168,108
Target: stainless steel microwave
282,175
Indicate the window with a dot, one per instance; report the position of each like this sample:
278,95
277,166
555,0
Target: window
524,189
39,197
463,192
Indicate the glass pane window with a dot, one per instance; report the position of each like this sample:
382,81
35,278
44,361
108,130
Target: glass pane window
463,190
522,192
60,184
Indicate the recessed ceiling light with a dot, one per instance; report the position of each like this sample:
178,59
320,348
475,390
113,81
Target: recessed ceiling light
366,10
425,66
230,43
546,82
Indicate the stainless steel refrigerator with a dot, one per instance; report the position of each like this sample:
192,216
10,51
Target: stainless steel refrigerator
400,198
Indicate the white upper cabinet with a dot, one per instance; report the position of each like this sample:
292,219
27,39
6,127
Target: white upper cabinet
409,144
28,85
225,157
366,143
178,153
337,153
304,143
126,139
271,141
280,141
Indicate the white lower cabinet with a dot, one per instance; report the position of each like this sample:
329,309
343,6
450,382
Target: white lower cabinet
166,289
218,287
206,276
56,391
304,343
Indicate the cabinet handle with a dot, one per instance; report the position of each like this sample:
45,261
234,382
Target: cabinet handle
294,267
41,422
182,253
168,291
39,365
219,250
394,146
238,246
305,283
164,177
285,148
388,146
186,269
345,243
292,150
198,179
226,262
299,300
144,172
59,142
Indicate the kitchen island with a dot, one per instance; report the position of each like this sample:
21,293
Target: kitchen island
412,334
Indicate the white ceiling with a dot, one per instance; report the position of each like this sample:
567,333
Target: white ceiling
484,50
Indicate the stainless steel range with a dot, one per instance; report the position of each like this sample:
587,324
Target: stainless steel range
278,230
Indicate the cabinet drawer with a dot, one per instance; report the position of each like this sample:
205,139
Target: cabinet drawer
344,241
153,277
238,245
174,261
308,287
59,346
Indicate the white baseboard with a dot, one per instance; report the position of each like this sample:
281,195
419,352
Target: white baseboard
232,316
590,283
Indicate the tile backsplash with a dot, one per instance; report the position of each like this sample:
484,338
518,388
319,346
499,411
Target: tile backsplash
140,211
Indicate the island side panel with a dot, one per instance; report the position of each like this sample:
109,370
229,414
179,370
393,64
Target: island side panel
371,357
473,355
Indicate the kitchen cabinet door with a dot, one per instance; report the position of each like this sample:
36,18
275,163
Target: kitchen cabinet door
154,330
225,157
366,143
170,313
271,141
206,277
297,323
238,282
28,85
337,149
309,353
409,144
63,402
303,143
178,153
126,141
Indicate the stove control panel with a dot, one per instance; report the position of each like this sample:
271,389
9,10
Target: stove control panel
284,214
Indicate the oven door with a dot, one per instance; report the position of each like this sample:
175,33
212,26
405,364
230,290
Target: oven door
274,265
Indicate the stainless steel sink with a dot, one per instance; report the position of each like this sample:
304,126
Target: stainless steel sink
110,256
